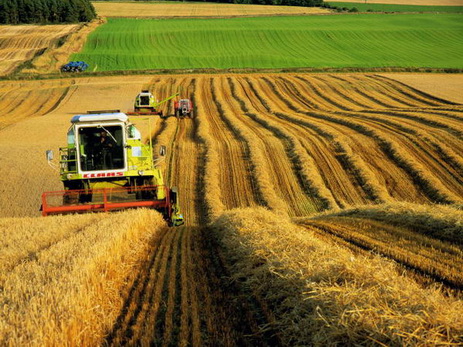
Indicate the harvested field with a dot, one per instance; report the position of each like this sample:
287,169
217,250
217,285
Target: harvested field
175,9
21,43
319,293
371,152
55,57
383,7
294,143
20,100
446,86
411,2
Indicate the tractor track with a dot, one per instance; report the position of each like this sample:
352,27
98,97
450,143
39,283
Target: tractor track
179,298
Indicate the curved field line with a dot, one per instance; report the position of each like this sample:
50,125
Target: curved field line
236,176
384,177
432,187
365,94
388,92
21,43
432,258
271,156
304,165
414,91
260,168
314,155
18,103
211,188
360,174
446,142
341,92
420,154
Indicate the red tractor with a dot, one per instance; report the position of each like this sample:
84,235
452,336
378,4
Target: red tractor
183,108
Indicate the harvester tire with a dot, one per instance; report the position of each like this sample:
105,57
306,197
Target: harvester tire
70,198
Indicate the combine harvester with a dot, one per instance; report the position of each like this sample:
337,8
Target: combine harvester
107,167
146,105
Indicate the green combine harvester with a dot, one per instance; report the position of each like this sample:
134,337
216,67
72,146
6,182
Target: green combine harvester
145,104
106,166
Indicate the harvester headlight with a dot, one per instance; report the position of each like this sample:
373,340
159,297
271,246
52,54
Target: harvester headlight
141,172
69,176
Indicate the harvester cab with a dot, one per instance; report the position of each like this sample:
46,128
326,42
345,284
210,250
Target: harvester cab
146,104
106,166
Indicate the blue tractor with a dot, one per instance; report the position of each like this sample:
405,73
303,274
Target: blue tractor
74,66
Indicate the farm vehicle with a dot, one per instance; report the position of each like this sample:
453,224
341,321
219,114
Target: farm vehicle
145,105
74,66
106,166
183,108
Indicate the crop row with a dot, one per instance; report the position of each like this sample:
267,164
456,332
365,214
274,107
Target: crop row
276,42
264,144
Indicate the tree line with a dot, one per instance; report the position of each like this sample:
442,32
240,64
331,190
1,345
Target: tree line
45,11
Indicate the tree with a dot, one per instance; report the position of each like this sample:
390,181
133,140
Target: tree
46,11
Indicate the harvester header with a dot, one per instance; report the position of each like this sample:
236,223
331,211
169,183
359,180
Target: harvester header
106,166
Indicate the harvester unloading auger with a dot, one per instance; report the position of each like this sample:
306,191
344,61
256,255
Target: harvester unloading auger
106,167
145,104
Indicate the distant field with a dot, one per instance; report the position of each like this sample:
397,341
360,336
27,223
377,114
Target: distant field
411,2
426,40
20,43
179,9
364,7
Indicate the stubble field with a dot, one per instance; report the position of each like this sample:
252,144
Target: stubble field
21,43
175,9
297,145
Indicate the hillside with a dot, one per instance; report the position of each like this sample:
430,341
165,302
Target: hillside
362,41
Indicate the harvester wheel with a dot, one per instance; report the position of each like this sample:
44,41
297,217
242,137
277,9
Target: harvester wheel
83,198
70,198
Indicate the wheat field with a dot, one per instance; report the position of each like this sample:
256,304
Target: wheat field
363,171
174,9
21,43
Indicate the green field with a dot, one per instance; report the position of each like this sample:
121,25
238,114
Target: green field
362,7
412,40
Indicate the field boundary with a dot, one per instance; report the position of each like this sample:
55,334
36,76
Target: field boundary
22,76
